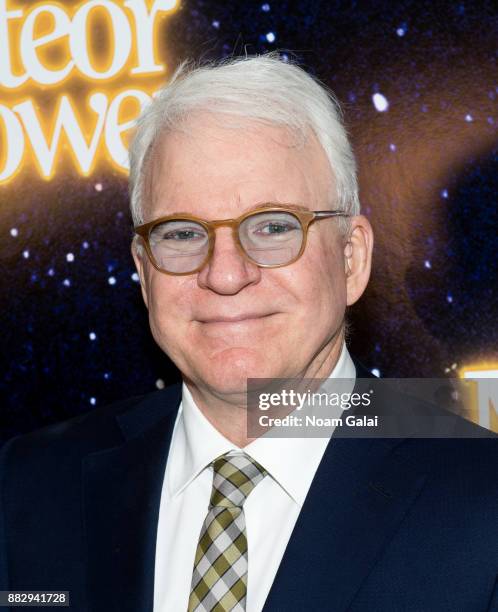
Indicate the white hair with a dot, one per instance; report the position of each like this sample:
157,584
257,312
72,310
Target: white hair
264,88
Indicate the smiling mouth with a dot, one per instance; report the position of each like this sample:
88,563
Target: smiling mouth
244,318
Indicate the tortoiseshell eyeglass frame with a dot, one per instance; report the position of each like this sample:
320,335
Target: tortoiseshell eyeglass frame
305,218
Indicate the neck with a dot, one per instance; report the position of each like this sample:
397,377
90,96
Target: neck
229,414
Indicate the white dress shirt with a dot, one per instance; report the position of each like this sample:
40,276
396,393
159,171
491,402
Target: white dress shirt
271,510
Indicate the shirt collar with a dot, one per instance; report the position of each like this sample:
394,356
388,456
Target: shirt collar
291,462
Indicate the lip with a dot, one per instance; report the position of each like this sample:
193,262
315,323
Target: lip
249,316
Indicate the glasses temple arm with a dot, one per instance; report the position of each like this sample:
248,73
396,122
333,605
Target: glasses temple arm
322,214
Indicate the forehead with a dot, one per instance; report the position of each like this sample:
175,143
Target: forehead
213,165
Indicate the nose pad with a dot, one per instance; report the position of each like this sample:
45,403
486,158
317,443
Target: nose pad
228,269
226,240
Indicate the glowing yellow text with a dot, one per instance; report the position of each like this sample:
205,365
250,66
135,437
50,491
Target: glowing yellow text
485,379
96,41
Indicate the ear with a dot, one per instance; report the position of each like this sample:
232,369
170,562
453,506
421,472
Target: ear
139,257
358,257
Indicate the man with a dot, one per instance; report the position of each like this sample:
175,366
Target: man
249,246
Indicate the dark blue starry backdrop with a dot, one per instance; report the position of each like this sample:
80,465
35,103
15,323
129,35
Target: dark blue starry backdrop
419,85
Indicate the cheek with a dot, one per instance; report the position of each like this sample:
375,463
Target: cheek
323,286
170,305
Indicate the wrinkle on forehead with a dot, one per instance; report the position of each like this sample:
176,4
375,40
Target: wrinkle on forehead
226,128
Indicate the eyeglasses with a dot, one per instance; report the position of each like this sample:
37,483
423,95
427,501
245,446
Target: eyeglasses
269,236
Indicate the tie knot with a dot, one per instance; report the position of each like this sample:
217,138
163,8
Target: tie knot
235,476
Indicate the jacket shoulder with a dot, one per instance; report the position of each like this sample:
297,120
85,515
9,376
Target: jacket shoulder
75,437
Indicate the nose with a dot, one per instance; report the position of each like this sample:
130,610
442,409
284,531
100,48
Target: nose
228,271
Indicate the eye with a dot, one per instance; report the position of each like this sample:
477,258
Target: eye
178,231
274,227
183,234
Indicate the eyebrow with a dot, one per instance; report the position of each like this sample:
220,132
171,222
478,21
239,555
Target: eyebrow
253,207
278,204
261,205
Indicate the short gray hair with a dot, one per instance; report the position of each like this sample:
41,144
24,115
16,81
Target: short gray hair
267,88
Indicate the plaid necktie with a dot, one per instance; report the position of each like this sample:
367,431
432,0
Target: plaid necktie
219,580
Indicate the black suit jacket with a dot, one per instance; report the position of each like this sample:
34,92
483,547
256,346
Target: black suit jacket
389,525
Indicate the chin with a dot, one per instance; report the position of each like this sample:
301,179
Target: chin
229,369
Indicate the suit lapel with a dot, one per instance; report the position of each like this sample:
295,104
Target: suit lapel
361,492
121,497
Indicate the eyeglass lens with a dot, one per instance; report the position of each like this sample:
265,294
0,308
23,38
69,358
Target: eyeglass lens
268,238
